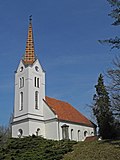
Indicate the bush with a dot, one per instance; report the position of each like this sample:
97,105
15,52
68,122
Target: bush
34,148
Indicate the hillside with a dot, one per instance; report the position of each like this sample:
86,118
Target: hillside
37,148
34,148
104,150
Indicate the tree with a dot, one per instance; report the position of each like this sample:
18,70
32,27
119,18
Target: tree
3,134
115,14
114,73
114,87
6,131
101,110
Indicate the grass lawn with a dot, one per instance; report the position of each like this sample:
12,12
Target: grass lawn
97,150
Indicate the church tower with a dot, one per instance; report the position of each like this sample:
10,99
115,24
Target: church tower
29,93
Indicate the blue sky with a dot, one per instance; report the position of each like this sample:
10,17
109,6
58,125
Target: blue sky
66,34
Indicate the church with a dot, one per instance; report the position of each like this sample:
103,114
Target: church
40,115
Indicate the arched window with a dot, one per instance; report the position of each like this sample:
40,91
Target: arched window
37,82
20,133
78,135
21,82
71,134
92,133
38,132
85,134
21,101
36,100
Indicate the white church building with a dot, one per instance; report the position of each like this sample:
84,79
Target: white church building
35,113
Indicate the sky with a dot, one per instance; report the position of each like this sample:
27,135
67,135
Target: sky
66,34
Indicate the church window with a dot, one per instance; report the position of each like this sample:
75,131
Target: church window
71,134
38,132
21,82
37,82
21,101
21,69
65,134
85,134
37,68
36,100
92,133
78,135
20,133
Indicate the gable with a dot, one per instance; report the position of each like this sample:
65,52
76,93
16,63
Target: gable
48,112
67,112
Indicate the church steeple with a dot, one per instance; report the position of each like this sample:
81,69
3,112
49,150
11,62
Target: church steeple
29,57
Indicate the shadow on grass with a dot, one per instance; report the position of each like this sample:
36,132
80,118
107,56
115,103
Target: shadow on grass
116,143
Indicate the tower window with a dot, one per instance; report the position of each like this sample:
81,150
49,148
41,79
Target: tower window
20,133
36,100
36,67
21,82
21,69
37,82
21,101
38,132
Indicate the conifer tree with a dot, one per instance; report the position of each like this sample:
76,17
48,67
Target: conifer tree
114,72
101,110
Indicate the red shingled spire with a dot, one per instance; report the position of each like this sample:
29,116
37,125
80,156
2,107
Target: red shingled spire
29,57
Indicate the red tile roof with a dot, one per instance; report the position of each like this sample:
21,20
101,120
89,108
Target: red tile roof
66,112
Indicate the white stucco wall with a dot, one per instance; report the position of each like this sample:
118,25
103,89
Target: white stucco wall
34,125
29,89
24,126
29,112
29,128
51,130
48,113
76,128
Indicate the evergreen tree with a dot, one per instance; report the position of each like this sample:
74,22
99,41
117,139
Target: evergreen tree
114,72
101,110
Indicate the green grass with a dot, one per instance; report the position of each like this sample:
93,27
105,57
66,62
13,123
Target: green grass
104,150
37,148
34,148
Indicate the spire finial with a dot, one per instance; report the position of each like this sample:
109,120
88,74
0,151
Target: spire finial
30,18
